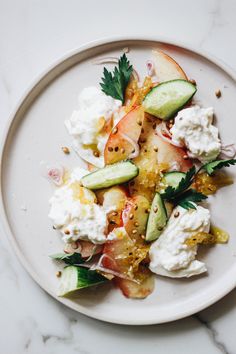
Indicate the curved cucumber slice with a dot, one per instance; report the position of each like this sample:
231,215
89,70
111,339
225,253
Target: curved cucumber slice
157,218
75,278
110,175
172,179
167,98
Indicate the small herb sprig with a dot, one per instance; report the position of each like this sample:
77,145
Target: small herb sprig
182,195
172,193
114,84
212,166
68,258
189,197
186,197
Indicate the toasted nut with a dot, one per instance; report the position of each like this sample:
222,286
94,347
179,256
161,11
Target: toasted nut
115,130
136,224
154,126
67,232
58,274
218,93
155,209
96,154
160,228
134,232
185,157
131,216
147,211
110,148
114,213
135,207
116,148
65,149
176,214
155,148
122,150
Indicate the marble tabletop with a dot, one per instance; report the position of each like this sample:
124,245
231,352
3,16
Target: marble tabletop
33,33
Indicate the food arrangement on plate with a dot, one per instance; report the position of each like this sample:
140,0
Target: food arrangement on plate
153,157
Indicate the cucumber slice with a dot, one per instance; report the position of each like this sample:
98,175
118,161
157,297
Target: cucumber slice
167,98
74,278
172,179
110,175
157,218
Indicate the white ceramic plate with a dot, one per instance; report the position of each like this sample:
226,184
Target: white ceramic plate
36,133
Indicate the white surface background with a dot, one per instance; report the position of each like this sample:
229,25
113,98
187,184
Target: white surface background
34,33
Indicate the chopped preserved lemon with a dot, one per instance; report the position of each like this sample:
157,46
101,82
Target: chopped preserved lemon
220,235
128,255
210,184
140,255
201,238
216,235
136,94
150,171
131,88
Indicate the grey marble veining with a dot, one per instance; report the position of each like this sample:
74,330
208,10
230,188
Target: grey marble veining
32,35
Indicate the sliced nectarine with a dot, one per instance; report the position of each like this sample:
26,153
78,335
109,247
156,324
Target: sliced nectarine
170,154
124,136
139,290
166,68
124,257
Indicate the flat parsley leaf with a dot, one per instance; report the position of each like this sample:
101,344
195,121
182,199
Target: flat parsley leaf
171,193
188,198
68,258
114,84
216,165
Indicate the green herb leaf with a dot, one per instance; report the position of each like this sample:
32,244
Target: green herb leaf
171,193
216,165
68,258
114,84
189,197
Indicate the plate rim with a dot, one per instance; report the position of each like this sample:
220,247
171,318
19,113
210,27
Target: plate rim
3,215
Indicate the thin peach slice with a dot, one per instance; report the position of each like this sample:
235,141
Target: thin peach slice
172,155
166,68
123,139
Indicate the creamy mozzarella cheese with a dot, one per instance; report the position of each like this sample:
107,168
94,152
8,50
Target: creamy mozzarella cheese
86,124
170,255
74,212
193,128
